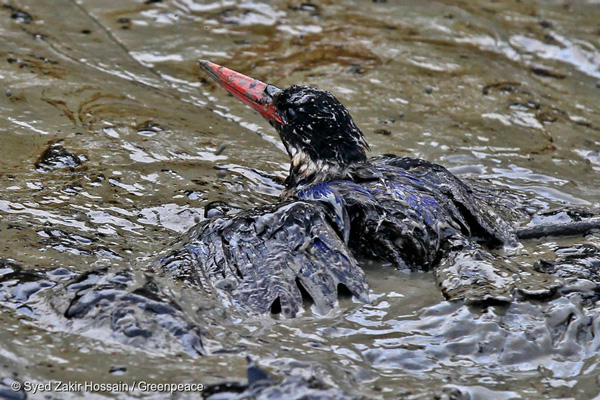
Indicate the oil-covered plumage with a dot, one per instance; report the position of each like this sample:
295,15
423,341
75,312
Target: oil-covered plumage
256,257
319,135
415,214
338,204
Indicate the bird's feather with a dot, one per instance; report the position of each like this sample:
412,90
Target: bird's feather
256,257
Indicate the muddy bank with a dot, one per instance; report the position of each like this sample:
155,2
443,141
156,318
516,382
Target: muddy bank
504,92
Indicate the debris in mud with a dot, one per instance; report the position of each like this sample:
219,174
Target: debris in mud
503,87
18,61
542,70
149,128
19,15
118,370
193,194
356,69
550,39
200,181
56,156
31,61
383,132
312,8
546,117
220,149
124,22
529,105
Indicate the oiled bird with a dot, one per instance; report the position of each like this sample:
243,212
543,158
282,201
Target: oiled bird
337,205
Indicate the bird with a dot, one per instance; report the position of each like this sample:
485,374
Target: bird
338,205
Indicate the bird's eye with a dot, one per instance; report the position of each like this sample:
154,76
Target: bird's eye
290,114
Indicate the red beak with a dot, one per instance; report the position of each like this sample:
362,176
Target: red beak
254,93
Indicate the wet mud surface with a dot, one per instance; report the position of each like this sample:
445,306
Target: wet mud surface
113,141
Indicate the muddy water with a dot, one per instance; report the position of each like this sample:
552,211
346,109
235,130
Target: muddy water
506,91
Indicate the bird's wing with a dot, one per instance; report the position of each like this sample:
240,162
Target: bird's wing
263,257
474,208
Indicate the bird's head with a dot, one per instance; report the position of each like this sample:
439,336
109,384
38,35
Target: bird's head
316,129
